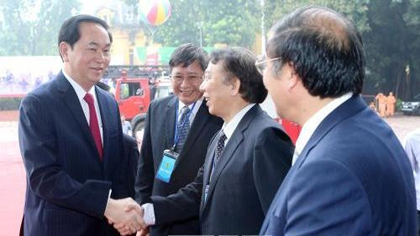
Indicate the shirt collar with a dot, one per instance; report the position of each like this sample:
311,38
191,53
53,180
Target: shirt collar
194,111
78,89
310,126
229,128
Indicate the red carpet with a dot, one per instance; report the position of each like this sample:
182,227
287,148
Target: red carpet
12,187
12,175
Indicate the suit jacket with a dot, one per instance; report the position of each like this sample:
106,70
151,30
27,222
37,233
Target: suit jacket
253,164
67,184
131,153
352,178
158,136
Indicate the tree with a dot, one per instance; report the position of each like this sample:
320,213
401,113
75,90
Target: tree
391,35
208,23
355,10
392,47
31,27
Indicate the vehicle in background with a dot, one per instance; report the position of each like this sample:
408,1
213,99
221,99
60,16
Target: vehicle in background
411,107
135,87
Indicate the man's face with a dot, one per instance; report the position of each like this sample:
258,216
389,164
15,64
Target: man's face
216,92
90,55
186,82
277,88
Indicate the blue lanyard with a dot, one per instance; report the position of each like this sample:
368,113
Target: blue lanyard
176,137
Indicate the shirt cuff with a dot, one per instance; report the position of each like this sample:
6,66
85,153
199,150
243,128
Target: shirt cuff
107,201
149,214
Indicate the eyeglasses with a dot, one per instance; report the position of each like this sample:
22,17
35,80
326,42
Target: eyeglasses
189,79
261,64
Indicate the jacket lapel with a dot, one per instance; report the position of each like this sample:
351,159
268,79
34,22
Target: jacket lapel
230,148
208,165
71,101
352,106
197,126
106,126
169,113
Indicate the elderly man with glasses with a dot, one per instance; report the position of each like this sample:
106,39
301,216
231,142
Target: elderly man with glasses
245,162
177,131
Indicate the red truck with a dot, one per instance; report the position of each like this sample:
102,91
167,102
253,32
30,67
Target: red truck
135,87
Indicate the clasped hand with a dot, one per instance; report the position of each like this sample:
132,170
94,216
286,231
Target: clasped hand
125,215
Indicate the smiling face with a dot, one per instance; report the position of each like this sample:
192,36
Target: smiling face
186,82
217,92
90,56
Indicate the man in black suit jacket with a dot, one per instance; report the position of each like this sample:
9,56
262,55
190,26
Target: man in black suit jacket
131,153
245,162
187,66
71,142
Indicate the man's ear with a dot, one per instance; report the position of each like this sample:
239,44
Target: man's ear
235,84
294,78
64,49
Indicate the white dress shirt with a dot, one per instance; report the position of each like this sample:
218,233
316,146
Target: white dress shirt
193,111
80,95
411,145
228,129
310,126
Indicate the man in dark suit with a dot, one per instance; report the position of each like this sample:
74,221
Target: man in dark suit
131,151
71,142
246,160
350,174
163,132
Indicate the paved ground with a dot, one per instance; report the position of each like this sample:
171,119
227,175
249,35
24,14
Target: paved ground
12,173
402,124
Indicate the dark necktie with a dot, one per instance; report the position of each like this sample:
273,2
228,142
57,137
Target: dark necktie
219,148
93,123
183,127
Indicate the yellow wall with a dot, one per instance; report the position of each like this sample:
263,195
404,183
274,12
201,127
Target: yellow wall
121,46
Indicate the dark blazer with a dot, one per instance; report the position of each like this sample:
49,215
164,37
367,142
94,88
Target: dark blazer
352,178
131,152
158,136
253,164
67,185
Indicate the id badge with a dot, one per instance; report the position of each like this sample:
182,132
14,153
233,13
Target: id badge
167,166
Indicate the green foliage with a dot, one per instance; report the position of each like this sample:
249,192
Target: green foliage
31,27
220,21
392,45
354,10
391,35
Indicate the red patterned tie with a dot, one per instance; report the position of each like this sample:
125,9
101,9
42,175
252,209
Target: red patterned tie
93,123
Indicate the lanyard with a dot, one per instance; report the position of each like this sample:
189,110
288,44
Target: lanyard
176,138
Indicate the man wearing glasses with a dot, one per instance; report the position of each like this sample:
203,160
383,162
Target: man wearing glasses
349,175
246,161
177,131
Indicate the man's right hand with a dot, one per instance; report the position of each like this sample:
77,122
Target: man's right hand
126,215
143,232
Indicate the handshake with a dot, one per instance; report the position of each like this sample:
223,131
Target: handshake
126,216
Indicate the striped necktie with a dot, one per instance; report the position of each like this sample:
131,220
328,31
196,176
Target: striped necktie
183,127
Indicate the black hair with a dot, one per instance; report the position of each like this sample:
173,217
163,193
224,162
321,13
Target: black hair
187,54
240,62
325,49
70,30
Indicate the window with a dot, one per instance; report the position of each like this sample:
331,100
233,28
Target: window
128,89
